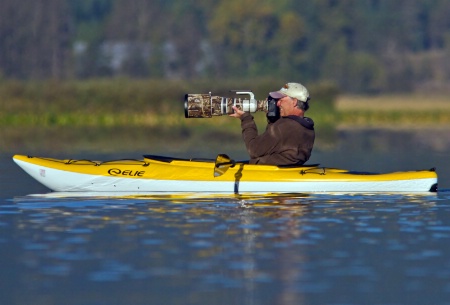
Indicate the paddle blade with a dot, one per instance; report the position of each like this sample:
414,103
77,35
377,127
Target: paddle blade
223,163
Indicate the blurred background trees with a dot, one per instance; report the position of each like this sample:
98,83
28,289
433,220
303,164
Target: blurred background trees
361,45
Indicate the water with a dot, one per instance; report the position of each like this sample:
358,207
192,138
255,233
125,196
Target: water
304,249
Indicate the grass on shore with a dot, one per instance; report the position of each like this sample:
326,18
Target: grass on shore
406,111
148,115
394,102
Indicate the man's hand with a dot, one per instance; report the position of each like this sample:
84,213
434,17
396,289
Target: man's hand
237,113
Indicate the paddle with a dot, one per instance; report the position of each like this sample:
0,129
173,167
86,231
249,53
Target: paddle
223,163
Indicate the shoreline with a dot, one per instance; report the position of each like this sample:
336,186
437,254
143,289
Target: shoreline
67,140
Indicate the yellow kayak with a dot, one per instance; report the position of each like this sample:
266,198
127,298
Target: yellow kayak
221,176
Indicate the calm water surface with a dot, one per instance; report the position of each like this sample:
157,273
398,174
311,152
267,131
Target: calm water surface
301,249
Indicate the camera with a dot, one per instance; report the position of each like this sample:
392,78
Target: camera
206,105
273,111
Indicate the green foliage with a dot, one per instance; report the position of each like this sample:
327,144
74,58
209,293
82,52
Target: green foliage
89,16
116,114
360,45
114,100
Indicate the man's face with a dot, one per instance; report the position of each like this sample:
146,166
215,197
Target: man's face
287,105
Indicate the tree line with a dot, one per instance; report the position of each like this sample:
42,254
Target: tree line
361,45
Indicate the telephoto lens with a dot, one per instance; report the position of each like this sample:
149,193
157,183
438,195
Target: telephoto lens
206,105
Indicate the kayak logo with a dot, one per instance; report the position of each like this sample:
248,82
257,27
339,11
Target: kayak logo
128,172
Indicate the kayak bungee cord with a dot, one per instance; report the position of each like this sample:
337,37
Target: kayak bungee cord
95,163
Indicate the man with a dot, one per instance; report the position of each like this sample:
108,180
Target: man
287,141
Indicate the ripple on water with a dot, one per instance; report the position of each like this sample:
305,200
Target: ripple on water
321,247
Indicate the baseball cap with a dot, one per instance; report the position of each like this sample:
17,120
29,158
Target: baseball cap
294,90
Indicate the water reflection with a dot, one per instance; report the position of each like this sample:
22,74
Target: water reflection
315,249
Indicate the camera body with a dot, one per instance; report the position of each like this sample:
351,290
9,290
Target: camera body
207,105
273,111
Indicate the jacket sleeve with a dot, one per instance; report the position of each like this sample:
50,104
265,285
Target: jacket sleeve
258,145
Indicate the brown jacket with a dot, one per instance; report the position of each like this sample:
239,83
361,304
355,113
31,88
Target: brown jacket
288,141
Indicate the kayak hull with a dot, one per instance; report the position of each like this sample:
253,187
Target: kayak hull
189,176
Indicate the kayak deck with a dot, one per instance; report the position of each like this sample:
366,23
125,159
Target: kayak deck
174,175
